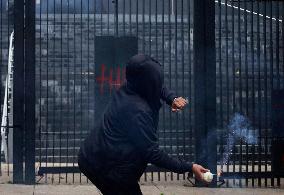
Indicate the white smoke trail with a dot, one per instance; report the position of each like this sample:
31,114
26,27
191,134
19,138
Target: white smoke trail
239,128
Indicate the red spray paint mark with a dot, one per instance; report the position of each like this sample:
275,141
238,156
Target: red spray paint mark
101,80
107,77
110,80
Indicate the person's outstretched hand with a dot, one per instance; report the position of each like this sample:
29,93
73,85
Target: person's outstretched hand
178,104
198,171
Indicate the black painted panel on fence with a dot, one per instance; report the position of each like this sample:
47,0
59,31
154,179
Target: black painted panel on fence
111,56
277,113
278,157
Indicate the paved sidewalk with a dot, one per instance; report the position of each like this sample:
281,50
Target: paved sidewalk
11,189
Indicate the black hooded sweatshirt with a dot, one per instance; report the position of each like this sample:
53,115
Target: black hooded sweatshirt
125,139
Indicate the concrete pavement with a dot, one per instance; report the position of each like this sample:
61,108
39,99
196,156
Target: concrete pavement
147,189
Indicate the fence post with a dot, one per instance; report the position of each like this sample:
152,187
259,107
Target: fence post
116,17
205,84
29,92
18,92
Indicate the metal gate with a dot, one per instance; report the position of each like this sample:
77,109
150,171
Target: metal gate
247,38
249,42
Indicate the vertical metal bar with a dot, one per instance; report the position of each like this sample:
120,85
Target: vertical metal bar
157,57
227,61
253,87
205,76
158,54
95,12
170,73
265,84
94,62
101,6
150,49
143,45
47,87
130,17
123,17
183,83
150,28
176,81
61,90
191,134
240,58
278,179
246,65
88,67
220,71
259,95
74,88
282,41
270,90
227,72
116,17
277,44
156,31
163,62
220,125
233,82
108,14
143,26
68,90
30,92
246,78
40,86
240,85
54,93
137,25
18,88
233,61
81,79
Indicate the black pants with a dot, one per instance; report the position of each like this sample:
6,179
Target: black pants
106,185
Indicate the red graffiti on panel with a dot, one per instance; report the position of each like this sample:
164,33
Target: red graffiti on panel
108,78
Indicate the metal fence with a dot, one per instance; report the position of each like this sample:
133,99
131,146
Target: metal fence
249,66
249,42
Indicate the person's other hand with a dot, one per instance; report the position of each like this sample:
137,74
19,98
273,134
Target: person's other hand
198,171
178,104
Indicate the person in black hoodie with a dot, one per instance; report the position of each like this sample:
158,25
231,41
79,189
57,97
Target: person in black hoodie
116,153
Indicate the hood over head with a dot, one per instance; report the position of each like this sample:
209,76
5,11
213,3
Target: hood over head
145,77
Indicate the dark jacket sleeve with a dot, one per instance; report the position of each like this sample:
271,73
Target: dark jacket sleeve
167,95
143,135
